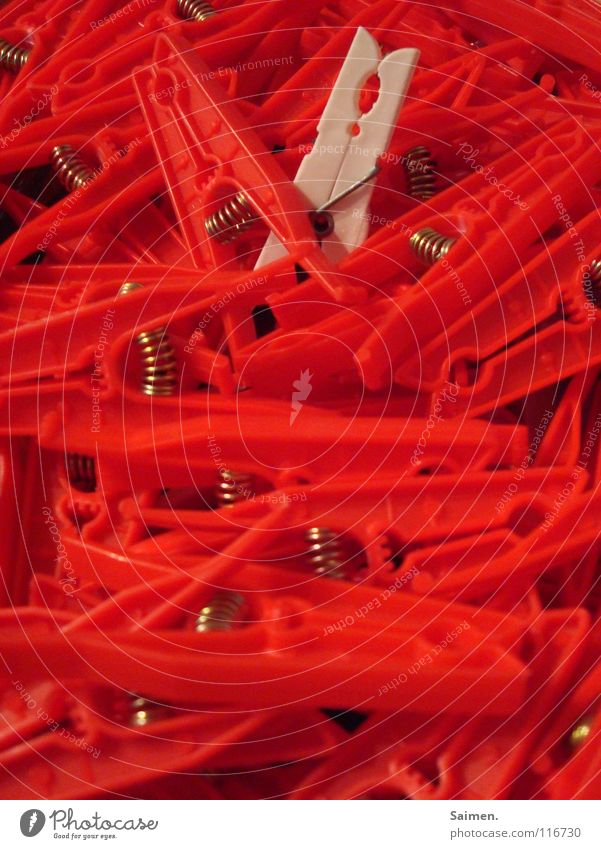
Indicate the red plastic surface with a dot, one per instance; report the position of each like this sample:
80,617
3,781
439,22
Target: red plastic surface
314,529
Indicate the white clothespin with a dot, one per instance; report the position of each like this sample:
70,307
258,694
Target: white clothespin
340,168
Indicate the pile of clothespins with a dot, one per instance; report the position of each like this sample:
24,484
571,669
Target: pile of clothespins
299,408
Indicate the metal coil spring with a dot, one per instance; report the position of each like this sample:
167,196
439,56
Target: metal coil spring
580,732
420,170
235,216
232,487
221,613
12,58
195,10
70,168
430,245
128,287
159,366
81,471
143,711
328,553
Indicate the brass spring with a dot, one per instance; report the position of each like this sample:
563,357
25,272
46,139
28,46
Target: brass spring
159,375
232,487
81,471
221,613
128,287
159,367
72,171
195,10
143,711
420,170
580,732
430,245
328,554
12,58
235,216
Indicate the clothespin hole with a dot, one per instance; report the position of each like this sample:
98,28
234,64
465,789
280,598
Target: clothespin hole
264,320
301,274
322,223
